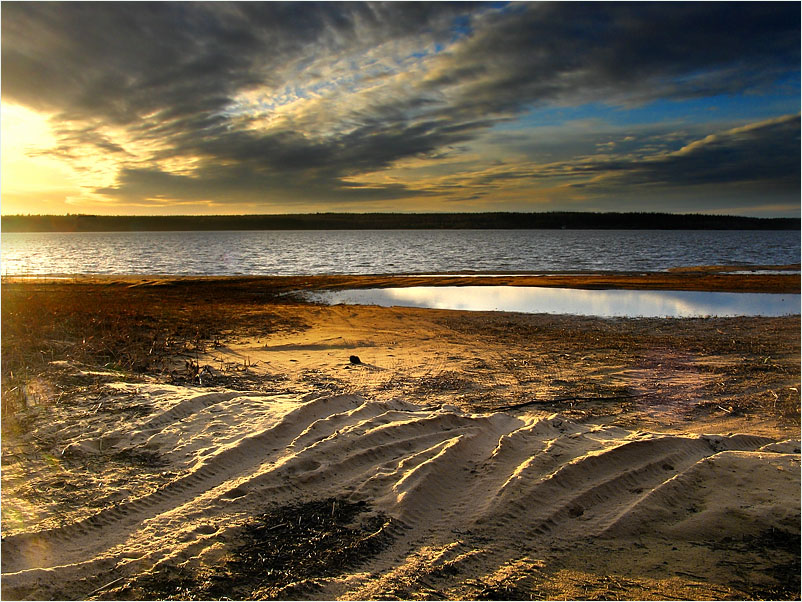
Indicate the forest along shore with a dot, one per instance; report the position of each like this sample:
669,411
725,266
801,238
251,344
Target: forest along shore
163,436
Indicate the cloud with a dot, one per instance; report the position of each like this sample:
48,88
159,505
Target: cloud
763,155
124,61
746,165
298,101
622,53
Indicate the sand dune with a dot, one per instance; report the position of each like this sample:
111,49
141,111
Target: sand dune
471,493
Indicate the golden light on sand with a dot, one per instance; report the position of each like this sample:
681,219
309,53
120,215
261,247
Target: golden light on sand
484,452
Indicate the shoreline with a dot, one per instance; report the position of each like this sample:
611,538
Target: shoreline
696,278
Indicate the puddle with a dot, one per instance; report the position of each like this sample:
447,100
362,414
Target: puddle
602,303
757,271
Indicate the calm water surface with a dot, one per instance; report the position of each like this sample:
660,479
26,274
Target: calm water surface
605,303
387,252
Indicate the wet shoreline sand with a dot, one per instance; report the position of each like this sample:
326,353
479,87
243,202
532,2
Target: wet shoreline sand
700,278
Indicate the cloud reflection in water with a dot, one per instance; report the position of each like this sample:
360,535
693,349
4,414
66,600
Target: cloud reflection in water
603,303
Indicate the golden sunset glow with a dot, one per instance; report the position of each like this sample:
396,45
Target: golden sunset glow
370,108
32,181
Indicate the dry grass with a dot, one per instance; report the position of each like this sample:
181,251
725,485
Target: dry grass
132,329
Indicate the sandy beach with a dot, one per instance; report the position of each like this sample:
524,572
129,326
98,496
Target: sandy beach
206,438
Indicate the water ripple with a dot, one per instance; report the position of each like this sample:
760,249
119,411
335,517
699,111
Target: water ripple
387,252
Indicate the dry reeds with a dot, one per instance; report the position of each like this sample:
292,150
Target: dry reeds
132,329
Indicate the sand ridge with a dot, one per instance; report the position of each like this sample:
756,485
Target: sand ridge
530,484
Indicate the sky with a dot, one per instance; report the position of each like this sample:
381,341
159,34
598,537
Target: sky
117,108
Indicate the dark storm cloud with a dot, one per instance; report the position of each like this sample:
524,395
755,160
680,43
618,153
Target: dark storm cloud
126,60
632,52
759,159
171,72
764,155
241,185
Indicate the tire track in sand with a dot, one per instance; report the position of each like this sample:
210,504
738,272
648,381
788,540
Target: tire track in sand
527,484
65,544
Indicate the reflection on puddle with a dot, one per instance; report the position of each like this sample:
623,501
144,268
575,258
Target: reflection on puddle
604,303
789,272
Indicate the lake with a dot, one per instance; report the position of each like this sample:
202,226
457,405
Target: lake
388,251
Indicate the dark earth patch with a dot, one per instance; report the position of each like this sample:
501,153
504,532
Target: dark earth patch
280,553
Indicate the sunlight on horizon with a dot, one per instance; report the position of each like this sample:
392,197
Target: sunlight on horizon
421,107
31,178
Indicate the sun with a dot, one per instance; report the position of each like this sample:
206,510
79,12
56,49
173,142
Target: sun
33,179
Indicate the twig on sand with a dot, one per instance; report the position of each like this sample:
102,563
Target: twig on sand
515,406
102,587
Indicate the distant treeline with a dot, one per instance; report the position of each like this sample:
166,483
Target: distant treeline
394,221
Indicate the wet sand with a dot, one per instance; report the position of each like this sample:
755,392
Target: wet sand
782,279
482,455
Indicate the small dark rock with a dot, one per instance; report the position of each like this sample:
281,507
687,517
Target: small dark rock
354,359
